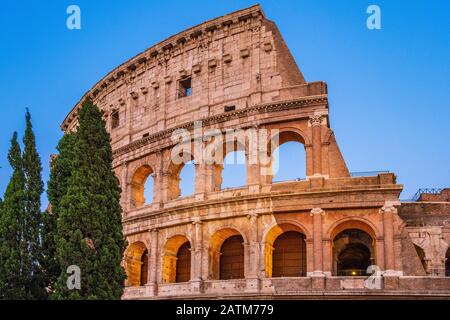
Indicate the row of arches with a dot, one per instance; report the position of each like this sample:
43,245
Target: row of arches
288,163
286,255
422,257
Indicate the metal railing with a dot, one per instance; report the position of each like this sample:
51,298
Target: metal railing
426,190
367,173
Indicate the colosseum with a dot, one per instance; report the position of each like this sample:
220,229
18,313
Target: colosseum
332,234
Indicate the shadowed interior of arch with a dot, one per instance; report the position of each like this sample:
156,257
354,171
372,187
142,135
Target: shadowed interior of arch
352,253
289,255
447,263
232,258
421,254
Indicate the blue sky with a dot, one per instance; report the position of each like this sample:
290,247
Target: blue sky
388,89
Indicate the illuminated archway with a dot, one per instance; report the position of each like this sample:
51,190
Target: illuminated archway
136,265
142,186
177,260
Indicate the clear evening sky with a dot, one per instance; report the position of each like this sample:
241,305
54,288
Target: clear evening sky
388,89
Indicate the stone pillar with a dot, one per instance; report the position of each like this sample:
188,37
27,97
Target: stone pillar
152,286
316,125
327,257
390,275
379,247
128,117
388,228
253,251
158,181
252,160
200,181
164,187
197,257
125,186
318,276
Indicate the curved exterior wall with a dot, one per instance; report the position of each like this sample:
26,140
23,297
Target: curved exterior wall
242,77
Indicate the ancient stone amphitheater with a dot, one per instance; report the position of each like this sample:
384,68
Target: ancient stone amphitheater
307,238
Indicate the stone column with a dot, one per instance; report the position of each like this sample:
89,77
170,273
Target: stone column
388,228
158,181
252,160
197,257
316,124
327,257
253,250
128,117
390,275
125,186
318,276
152,286
200,181
379,247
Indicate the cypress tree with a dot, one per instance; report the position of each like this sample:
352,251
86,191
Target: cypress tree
15,263
61,171
89,229
34,187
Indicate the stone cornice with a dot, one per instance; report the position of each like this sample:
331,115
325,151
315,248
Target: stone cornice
161,51
224,117
270,197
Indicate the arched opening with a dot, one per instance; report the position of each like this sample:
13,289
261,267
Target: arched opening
285,251
177,260
447,263
352,253
289,255
289,162
142,186
184,263
226,258
232,258
187,179
288,156
136,265
181,178
234,173
148,190
421,254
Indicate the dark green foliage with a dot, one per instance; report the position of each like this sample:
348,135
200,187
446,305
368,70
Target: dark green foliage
15,261
60,173
34,187
89,229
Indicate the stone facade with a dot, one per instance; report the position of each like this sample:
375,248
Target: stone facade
236,72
